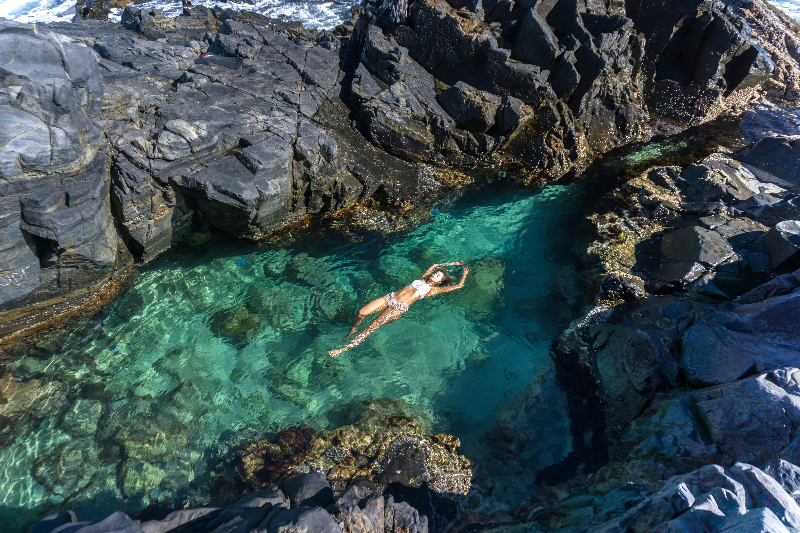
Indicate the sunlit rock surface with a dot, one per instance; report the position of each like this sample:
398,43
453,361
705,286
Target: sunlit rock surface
58,233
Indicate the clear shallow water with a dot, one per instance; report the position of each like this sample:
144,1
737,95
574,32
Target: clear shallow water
203,352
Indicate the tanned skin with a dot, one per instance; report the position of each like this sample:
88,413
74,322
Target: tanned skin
407,295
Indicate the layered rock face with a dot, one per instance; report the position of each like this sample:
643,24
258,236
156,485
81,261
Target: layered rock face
57,231
776,33
253,136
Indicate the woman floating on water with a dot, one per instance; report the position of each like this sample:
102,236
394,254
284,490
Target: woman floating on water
394,304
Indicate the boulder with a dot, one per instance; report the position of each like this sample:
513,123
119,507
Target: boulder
309,490
785,473
766,492
302,520
750,420
695,244
687,253
117,522
622,286
471,109
754,521
49,523
271,496
632,365
758,334
535,42
412,461
238,519
177,518
781,244
777,286
779,156
712,354
56,231
717,177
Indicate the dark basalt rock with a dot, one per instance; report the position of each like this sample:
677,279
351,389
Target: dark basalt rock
232,121
309,490
361,509
698,54
688,252
779,156
590,62
57,232
633,364
357,510
781,245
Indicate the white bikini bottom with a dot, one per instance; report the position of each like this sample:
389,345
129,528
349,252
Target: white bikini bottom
394,304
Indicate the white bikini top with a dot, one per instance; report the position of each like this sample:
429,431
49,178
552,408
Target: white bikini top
421,287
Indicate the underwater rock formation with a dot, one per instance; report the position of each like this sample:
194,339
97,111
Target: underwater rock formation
384,447
348,479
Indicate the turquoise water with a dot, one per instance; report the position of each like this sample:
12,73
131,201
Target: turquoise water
224,342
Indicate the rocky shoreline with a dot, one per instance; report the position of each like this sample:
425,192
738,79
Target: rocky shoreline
226,121
121,141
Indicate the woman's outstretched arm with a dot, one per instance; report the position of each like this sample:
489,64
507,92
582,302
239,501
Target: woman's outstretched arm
449,288
437,265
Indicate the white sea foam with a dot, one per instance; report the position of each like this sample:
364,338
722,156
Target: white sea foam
790,7
37,10
312,13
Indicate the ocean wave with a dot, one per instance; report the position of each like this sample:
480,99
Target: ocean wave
790,7
320,14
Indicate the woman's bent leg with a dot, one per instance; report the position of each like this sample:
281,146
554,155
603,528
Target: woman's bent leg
389,315
374,306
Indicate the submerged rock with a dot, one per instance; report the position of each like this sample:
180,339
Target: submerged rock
384,446
236,325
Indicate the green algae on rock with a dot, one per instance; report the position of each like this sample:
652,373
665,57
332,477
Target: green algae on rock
383,446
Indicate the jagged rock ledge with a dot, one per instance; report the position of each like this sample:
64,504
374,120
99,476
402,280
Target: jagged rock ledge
694,347
120,141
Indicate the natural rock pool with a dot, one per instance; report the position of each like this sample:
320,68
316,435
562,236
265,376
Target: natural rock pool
223,342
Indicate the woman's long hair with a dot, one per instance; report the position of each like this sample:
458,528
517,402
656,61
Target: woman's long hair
446,280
